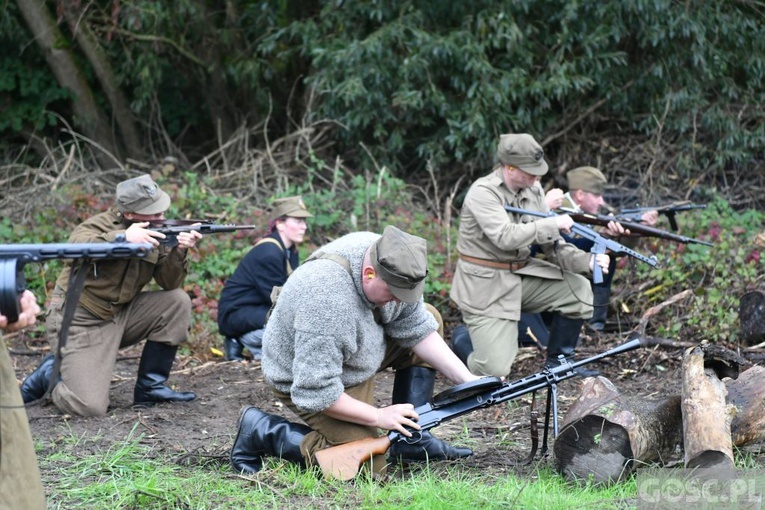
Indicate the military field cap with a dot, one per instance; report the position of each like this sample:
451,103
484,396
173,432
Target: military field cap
586,178
401,260
522,151
141,195
289,206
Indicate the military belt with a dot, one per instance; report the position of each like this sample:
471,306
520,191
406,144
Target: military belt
512,265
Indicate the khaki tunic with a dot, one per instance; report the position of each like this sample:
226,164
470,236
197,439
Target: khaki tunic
488,231
111,284
20,486
114,312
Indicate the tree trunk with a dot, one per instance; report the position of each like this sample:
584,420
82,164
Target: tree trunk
706,416
102,67
605,434
89,116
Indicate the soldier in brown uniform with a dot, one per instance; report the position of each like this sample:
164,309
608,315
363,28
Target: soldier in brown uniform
114,311
496,278
20,485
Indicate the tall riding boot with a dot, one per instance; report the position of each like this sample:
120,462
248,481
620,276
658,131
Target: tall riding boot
153,371
265,434
461,343
36,384
564,337
600,301
414,385
232,349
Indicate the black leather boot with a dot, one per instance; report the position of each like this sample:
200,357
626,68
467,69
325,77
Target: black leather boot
232,349
564,337
36,384
153,371
414,385
265,434
461,343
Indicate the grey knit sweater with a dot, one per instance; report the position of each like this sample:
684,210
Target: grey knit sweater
322,336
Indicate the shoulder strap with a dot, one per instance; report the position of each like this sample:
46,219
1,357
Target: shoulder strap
334,257
277,243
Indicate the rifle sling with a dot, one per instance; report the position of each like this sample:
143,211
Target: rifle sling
78,273
534,435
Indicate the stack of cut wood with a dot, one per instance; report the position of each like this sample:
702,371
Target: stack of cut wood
605,435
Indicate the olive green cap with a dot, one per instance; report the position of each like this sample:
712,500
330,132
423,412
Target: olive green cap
586,178
289,206
401,260
141,195
522,151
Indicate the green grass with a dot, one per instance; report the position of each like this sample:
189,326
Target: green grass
78,473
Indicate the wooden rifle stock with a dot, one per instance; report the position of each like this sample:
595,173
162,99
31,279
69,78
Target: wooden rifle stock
344,461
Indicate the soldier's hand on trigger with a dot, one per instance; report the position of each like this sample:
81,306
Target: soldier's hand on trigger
602,260
138,233
188,240
564,223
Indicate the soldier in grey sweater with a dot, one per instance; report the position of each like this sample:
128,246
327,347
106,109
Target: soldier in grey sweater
352,309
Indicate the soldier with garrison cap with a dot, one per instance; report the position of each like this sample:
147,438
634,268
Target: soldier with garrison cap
586,185
354,308
115,312
246,296
496,278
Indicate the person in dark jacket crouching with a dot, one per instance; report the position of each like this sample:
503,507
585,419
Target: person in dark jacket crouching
246,297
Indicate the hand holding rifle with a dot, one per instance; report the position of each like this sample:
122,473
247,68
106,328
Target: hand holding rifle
639,214
629,227
185,233
600,243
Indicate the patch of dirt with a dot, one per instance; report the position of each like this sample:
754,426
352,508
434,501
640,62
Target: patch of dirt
202,432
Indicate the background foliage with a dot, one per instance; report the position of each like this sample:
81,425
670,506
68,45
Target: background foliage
654,88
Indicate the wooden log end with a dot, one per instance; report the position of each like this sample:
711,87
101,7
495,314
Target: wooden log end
595,450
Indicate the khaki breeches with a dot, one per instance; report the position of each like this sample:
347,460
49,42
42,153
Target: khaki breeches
495,340
88,358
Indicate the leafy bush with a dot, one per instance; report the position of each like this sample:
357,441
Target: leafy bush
717,275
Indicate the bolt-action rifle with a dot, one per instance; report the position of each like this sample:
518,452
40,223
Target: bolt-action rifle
601,244
13,258
345,460
634,228
171,228
635,214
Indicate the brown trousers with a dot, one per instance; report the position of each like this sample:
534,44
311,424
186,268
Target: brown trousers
20,485
328,431
88,358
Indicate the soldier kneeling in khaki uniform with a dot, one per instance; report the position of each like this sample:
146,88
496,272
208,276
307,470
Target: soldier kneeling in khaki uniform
113,311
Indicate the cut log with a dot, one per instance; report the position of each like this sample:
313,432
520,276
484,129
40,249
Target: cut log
747,395
706,415
605,435
751,317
